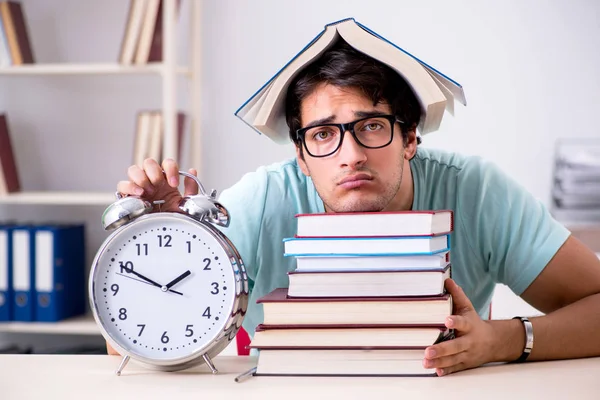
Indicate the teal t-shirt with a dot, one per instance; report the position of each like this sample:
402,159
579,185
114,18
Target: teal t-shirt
502,234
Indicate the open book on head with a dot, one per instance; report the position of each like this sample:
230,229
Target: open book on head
436,92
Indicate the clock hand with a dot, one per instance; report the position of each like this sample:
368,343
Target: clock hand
147,281
178,279
131,271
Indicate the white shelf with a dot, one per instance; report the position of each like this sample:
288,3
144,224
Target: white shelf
84,325
88,69
59,198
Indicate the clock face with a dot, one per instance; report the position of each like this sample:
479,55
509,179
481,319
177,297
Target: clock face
163,287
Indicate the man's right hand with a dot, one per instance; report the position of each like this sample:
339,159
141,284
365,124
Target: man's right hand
151,183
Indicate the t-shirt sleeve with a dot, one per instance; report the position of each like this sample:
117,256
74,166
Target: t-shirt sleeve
245,202
512,231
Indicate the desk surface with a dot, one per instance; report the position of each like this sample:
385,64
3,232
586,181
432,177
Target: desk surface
26,377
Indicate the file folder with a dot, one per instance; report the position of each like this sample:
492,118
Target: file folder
6,292
23,257
60,272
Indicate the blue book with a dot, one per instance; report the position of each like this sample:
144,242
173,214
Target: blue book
366,246
265,110
23,273
6,292
60,272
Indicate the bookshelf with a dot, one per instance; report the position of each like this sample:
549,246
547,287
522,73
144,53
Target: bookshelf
59,198
169,71
91,69
83,325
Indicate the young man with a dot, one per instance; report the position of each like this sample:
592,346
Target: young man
353,122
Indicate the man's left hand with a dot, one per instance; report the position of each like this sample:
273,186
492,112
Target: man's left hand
474,343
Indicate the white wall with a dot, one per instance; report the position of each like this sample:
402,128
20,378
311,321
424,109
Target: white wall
529,70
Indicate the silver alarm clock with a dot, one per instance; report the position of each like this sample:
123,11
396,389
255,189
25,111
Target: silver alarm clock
167,289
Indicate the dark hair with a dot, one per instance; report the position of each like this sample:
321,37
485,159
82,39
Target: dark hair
344,66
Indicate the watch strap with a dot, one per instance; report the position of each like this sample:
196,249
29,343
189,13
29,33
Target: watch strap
528,339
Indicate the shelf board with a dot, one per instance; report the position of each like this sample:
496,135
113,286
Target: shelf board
87,69
83,325
59,198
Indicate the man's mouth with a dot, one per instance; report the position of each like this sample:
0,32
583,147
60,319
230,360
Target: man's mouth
355,181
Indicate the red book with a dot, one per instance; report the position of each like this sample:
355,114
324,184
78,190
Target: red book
393,223
9,179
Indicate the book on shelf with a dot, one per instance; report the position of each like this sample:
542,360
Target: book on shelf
436,92
348,336
342,362
15,46
373,263
281,309
368,283
142,41
393,223
9,177
408,245
149,135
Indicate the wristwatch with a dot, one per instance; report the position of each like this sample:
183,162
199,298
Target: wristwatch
528,339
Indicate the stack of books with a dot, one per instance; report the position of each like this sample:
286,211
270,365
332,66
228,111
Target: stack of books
576,185
143,36
366,298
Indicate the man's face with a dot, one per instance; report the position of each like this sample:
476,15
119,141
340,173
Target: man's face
354,178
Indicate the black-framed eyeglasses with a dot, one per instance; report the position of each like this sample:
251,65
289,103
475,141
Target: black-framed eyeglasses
372,132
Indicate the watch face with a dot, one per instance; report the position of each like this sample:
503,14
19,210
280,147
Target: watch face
163,287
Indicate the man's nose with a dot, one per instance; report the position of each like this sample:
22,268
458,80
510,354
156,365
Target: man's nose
351,152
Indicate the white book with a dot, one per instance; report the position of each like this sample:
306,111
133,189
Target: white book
368,283
265,110
372,263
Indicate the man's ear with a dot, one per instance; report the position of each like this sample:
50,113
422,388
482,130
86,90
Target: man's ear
411,144
301,162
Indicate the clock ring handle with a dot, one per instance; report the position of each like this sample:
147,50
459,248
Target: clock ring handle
204,206
195,178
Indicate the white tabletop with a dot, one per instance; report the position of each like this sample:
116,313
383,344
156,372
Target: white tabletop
88,377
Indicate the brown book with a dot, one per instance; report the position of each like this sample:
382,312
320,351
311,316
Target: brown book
15,28
133,28
152,17
9,179
280,309
348,336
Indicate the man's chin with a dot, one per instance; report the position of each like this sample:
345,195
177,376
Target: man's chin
356,205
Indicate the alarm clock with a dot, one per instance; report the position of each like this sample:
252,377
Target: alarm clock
168,289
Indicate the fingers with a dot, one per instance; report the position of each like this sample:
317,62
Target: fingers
460,323
460,301
171,171
129,188
445,362
139,178
447,348
450,370
190,186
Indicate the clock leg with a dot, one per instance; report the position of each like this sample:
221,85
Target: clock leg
210,364
124,362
